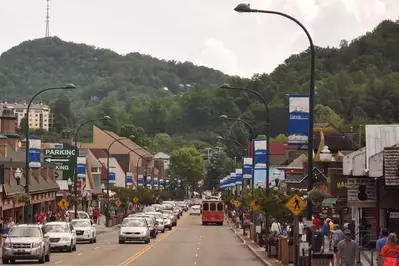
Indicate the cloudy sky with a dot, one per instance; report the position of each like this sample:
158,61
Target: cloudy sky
207,32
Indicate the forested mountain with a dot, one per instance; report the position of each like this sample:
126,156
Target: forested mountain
359,81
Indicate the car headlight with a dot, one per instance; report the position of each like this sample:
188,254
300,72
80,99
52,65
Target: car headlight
36,244
65,239
87,231
7,245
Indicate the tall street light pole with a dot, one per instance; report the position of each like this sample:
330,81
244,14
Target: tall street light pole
227,86
75,177
252,137
68,86
245,8
108,155
133,150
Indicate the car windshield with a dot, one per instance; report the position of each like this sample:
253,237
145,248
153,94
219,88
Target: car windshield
195,207
80,224
166,216
25,232
57,228
149,209
133,223
167,211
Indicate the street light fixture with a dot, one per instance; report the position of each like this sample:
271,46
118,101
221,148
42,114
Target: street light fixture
108,154
68,86
325,155
245,8
18,175
75,176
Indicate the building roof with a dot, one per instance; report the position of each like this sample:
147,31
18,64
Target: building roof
92,159
130,144
24,105
161,155
98,153
277,148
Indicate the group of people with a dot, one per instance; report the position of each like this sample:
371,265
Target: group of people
388,249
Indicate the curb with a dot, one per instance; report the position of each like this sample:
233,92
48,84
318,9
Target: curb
106,231
249,246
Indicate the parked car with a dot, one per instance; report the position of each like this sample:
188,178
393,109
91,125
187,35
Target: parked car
26,242
152,223
85,230
172,216
160,220
134,229
62,236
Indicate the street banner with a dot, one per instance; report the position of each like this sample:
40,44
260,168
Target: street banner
140,180
239,176
149,181
34,152
155,182
247,168
112,178
161,182
129,179
298,123
233,178
260,153
81,167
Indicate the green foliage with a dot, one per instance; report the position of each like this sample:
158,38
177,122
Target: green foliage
187,163
138,134
219,165
316,195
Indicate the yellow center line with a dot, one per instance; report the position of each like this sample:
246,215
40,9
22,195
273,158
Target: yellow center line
144,250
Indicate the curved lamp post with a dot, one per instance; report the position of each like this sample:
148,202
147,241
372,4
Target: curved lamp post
245,8
227,86
75,176
133,150
108,153
68,86
252,137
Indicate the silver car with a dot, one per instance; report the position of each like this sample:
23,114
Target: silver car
26,242
172,216
134,229
62,236
159,219
152,223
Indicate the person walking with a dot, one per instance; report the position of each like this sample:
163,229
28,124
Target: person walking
347,250
337,236
390,251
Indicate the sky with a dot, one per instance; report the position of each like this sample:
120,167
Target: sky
206,32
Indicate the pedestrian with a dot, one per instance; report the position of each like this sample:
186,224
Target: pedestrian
337,236
316,221
317,240
347,250
390,251
325,229
276,227
301,228
381,243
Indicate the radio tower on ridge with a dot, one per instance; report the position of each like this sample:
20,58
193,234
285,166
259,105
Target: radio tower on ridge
48,20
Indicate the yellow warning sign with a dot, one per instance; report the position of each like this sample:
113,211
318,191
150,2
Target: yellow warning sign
118,203
253,204
296,204
136,200
63,204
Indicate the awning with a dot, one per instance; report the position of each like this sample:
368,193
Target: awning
329,202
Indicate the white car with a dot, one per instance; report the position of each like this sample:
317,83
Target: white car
168,221
195,210
85,230
134,229
62,236
159,219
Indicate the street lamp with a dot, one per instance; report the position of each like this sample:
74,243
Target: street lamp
325,154
75,176
18,176
228,87
68,86
108,154
245,8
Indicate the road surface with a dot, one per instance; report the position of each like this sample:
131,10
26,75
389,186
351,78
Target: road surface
189,243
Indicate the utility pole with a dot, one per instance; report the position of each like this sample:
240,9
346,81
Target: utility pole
47,34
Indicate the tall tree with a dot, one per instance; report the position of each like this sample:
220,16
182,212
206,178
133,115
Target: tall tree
187,163
63,115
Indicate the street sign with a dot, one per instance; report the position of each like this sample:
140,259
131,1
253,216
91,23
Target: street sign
136,200
63,204
64,160
296,205
118,203
254,205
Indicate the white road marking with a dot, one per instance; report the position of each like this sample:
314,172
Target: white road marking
195,262
196,255
58,262
80,254
96,247
197,248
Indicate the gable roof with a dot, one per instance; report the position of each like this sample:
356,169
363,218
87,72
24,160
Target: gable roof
161,155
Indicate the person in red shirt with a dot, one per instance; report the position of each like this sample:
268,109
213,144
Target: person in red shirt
96,214
40,218
317,222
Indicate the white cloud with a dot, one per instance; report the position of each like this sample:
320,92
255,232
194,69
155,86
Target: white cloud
215,54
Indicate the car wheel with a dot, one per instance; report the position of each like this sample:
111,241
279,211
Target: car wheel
5,261
74,248
12,261
147,241
43,258
121,242
95,240
70,248
163,231
47,256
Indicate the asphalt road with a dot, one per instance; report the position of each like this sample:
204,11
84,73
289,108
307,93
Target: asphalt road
189,243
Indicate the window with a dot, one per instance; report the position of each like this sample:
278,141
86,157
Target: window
213,206
220,206
205,207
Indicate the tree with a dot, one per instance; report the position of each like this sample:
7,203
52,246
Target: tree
63,115
324,114
187,163
138,133
219,165
162,142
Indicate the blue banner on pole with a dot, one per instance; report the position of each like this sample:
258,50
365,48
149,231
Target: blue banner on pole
34,152
149,181
112,178
161,182
129,178
155,182
140,180
260,147
298,123
239,176
247,168
81,167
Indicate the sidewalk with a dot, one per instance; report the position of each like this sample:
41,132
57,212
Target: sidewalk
254,248
101,228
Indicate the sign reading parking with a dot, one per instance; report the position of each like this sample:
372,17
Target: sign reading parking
64,160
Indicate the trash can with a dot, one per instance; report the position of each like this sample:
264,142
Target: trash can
322,259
